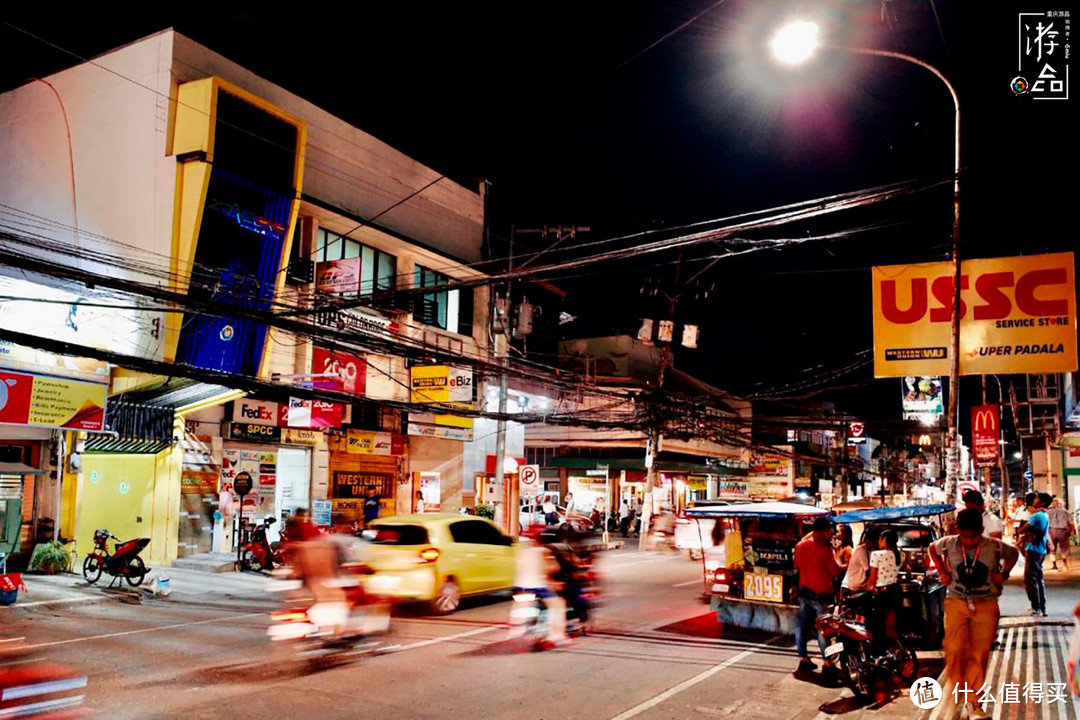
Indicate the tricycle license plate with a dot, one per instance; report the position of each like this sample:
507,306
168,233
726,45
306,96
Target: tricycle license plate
769,588
834,649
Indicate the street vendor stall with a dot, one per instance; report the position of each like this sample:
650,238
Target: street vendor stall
755,588
920,618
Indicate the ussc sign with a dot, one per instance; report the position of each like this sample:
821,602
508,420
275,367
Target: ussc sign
1017,315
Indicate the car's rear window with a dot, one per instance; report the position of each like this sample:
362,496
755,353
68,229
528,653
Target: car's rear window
397,535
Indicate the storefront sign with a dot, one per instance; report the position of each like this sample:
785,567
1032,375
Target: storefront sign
17,357
51,402
1017,315
347,372
923,398
364,442
251,432
298,436
732,489
856,433
697,482
803,482
338,276
358,485
441,432
321,511
766,464
198,482
985,432
357,321
441,384
242,484
311,414
255,412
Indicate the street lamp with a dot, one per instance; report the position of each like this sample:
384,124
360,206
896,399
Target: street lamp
1018,455
794,44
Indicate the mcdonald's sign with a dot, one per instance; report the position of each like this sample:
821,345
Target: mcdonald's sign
985,431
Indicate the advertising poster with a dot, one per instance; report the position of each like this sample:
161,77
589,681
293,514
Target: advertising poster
985,433
923,398
346,372
1017,315
51,402
338,276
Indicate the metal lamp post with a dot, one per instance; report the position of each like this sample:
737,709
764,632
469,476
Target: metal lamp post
794,44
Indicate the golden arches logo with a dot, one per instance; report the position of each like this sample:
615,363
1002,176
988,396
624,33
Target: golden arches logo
985,420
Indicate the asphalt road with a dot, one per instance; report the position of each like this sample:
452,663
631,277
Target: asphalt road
656,653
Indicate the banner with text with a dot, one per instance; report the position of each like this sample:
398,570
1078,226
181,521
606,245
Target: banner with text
1017,315
51,402
985,432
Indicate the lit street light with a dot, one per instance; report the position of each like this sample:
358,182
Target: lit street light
794,44
1018,455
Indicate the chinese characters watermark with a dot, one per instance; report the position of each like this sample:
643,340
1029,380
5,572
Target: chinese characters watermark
926,694
1043,51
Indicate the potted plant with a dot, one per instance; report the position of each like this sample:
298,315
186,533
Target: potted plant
50,558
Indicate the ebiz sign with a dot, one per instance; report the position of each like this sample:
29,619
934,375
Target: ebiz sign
441,384
1017,315
985,431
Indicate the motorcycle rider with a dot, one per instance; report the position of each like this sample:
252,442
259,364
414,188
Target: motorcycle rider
538,572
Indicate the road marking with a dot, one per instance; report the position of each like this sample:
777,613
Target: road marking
697,581
58,601
704,675
447,638
143,630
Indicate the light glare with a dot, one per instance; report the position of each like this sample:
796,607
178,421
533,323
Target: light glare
794,43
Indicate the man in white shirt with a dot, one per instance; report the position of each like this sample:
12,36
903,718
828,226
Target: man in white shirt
992,525
534,571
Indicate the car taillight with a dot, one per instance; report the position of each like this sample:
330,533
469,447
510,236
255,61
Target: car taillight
720,575
428,555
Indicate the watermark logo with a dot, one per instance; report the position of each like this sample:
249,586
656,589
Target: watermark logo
1042,53
926,693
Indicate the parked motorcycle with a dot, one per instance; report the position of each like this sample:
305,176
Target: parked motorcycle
122,562
258,553
863,661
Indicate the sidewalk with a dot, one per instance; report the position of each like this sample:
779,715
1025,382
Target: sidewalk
185,586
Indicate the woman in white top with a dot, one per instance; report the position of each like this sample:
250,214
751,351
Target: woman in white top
884,576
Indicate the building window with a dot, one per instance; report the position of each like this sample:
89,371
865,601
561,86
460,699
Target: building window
378,269
450,310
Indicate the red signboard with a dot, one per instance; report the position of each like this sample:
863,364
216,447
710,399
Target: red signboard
347,372
985,431
310,414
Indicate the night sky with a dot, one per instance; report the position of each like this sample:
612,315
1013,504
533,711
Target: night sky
557,105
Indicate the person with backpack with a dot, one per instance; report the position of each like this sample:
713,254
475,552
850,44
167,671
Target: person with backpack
1033,536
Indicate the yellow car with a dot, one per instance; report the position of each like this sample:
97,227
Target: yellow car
439,558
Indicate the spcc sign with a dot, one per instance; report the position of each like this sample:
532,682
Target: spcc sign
1017,315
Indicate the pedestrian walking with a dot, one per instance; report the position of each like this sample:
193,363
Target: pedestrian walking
974,569
1061,529
1034,534
624,518
371,509
993,527
817,568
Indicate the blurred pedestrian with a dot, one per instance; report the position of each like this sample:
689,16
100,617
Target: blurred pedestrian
992,525
846,547
1061,529
817,568
974,569
551,513
857,577
418,503
371,508
624,518
884,576
1034,534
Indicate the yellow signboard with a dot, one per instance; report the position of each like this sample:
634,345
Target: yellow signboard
440,384
1017,315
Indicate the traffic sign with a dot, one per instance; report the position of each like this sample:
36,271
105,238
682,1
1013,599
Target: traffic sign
242,484
530,476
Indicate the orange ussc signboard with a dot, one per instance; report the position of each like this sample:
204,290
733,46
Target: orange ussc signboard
1017,315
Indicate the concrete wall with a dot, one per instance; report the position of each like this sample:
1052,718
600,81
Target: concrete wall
443,457
123,181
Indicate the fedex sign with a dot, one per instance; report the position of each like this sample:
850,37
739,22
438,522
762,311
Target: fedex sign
1017,315
255,412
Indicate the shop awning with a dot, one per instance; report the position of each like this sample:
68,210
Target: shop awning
181,394
7,468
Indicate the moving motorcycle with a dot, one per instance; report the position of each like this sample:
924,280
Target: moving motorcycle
849,643
333,630
123,562
529,614
258,553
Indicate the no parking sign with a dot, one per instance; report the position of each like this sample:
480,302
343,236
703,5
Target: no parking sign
530,478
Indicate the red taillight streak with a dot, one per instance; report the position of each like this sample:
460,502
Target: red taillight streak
428,555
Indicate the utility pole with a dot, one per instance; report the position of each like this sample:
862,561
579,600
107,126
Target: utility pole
655,438
504,514
986,468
